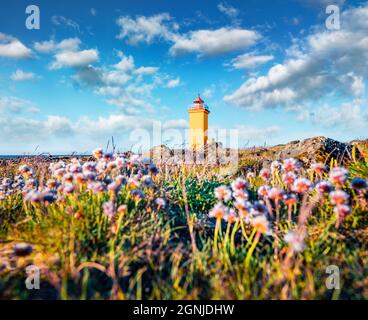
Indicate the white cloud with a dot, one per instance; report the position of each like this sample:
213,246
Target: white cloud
175,124
173,83
93,11
228,10
214,42
146,29
250,61
349,115
62,21
74,58
11,47
126,64
207,93
255,134
323,64
12,105
203,42
146,70
60,134
69,44
20,75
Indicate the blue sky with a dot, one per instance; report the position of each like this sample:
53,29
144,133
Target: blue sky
96,69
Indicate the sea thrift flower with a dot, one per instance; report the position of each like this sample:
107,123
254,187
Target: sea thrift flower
109,209
114,187
324,187
359,184
218,211
223,193
122,209
160,202
89,166
59,173
318,167
301,185
290,164
68,188
295,240
240,194
261,224
341,212
97,153
52,184
263,191
133,183
275,194
68,178
338,176
80,178
290,199
339,197
264,174
97,187
288,178
243,208
275,166
239,184
121,162
230,216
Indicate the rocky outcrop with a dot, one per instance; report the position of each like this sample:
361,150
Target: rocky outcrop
315,149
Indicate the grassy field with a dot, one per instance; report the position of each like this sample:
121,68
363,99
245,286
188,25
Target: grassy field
117,228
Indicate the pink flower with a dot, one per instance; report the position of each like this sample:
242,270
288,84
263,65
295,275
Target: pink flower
160,202
288,178
318,167
339,197
290,164
290,199
109,209
324,187
341,212
97,153
223,193
230,217
275,166
302,185
261,224
239,184
295,240
338,176
275,194
218,211
263,191
264,174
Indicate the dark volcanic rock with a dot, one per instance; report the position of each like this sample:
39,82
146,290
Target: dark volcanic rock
315,149
22,249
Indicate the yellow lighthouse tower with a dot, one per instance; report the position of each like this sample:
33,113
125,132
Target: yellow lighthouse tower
198,124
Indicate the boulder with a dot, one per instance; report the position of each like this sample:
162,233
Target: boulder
315,149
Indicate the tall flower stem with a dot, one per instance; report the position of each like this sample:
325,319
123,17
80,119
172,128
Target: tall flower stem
251,249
